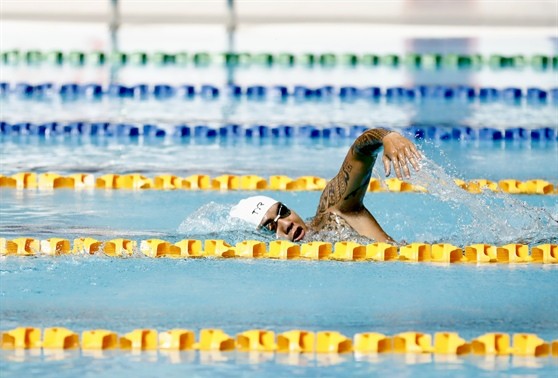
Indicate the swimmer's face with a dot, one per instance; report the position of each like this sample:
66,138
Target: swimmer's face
284,222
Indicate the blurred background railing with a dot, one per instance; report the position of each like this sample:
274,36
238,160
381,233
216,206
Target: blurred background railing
528,13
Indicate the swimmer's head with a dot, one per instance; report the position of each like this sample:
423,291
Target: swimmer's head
270,215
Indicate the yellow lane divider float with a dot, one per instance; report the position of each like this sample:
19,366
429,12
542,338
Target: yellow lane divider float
286,250
49,181
294,341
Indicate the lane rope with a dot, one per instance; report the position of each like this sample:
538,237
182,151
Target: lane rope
464,93
183,131
441,253
78,58
136,181
293,341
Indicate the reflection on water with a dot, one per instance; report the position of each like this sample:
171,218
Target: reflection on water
275,363
393,113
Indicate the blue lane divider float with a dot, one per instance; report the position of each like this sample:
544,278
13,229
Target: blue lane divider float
73,91
107,129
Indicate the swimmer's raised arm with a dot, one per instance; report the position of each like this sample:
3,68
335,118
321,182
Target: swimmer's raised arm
344,194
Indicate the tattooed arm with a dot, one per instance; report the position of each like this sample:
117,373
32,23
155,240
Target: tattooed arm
344,194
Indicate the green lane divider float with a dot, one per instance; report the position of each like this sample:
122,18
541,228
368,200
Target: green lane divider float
139,58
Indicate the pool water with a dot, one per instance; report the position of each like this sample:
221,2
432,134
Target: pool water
84,292
236,295
467,160
375,112
204,215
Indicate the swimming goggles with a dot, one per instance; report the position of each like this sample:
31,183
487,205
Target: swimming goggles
271,224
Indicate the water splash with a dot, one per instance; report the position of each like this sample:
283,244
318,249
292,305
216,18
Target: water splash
489,217
212,221
211,217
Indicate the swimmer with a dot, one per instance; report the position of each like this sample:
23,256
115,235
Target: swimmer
341,203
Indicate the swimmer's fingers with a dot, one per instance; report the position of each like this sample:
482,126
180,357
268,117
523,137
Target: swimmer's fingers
402,153
403,161
415,163
412,158
390,159
387,165
397,167
415,151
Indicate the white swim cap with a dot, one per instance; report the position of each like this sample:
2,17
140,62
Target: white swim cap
252,209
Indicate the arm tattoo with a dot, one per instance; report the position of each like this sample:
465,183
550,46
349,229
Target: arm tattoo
366,145
335,189
363,186
369,142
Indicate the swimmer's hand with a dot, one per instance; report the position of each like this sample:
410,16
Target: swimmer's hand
399,152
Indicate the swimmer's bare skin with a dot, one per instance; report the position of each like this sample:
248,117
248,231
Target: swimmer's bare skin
344,194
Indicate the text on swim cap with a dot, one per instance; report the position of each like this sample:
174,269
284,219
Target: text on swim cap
258,208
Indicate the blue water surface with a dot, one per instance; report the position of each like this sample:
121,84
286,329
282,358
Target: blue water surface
123,294
87,292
